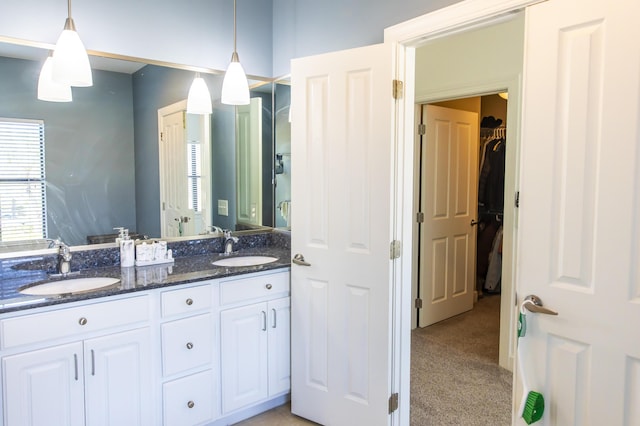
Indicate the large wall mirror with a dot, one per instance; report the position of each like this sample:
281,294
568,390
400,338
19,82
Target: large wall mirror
102,153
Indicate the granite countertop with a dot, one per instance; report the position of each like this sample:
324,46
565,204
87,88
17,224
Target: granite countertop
185,269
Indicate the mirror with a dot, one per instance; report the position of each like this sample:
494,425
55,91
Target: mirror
101,150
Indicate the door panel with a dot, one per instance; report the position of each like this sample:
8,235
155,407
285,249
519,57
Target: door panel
579,210
342,141
448,201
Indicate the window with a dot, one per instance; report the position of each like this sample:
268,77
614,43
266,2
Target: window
194,175
22,180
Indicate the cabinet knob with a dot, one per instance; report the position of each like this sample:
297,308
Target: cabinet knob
189,345
82,321
189,301
268,286
191,404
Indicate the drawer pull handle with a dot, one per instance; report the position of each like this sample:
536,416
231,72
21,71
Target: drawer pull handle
269,286
75,366
82,321
264,321
189,301
275,318
189,345
191,404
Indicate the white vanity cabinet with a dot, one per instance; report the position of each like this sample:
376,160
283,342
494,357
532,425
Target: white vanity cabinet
188,334
255,346
87,364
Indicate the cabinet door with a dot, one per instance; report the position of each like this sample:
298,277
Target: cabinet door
44,387
279,346
118,379
244,356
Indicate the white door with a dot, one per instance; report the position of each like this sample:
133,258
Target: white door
249,162
175,218
579,213
279,312
449,186
118,379
244,356
44,387
342,159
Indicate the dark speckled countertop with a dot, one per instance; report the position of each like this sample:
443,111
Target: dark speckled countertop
193,261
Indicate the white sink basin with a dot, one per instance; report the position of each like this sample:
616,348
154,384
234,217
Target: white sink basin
75,285
245,261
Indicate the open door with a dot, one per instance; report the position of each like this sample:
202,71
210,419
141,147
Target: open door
449,152
341,277
579,211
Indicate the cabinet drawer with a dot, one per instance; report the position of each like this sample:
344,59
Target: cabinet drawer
51,325
243,289
186,300
187,343
189,400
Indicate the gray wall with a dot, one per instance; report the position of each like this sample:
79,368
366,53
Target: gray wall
200,32
89,152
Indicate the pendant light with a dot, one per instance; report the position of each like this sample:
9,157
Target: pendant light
235,88
49,90
70,60
199,99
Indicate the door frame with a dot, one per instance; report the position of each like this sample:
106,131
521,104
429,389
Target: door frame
405,37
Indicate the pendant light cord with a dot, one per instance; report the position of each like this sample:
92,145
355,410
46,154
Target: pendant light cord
69,7
234,26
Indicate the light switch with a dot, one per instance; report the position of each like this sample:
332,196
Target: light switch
223,207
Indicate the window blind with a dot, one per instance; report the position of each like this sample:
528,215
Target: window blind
22,180
194,176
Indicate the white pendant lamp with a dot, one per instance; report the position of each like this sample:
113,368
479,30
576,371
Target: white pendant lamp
199,99
235,87
49,90
70,60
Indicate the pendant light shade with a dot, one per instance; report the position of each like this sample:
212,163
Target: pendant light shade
235,87
70,60
199,99
48,89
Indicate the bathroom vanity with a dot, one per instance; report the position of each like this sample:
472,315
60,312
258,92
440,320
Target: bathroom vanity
189,343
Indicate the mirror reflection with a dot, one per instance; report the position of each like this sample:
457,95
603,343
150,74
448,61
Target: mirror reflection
102,154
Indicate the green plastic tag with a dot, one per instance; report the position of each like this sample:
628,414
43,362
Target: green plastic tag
522,325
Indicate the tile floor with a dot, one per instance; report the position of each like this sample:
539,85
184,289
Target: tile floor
279,416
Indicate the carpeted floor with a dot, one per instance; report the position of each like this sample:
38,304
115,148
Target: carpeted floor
455,377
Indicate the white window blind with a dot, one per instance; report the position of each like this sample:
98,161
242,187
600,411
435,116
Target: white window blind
22,180
194,175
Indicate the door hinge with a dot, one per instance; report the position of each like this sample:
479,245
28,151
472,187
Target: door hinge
517,201
393,402
161,136
418,303
420,217
395,249
398,89
184,119
422,129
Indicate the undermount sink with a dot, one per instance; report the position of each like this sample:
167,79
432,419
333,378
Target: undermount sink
75,285
245,261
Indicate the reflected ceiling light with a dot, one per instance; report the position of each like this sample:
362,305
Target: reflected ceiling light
199,99
49,90
235,87
70,60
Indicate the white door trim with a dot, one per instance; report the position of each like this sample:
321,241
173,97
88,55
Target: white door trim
406,36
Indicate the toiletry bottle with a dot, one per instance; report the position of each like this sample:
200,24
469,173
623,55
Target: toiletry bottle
127,251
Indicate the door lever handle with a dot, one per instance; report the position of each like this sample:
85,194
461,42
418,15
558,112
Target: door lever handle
533,304
474,222
298,259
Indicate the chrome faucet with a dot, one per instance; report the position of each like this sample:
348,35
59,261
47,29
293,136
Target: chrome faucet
64,258
229,240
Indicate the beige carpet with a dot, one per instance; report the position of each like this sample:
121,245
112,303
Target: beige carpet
455,377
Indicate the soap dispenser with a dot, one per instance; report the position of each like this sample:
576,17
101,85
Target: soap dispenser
127,249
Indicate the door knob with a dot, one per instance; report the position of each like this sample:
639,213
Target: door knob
298,259
533,304
474,222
